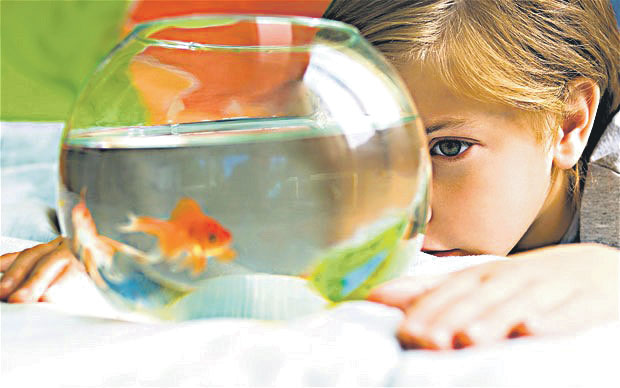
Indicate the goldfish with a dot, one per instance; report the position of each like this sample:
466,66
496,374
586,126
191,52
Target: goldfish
188,234
95,250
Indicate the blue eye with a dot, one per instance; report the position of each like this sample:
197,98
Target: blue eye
449,148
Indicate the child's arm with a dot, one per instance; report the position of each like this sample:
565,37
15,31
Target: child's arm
551,290
29,273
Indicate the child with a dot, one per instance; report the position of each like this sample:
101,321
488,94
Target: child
513,94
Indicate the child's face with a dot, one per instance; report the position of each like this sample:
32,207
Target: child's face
491,177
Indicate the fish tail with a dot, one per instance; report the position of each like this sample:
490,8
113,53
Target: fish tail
148,225
118,246
132,226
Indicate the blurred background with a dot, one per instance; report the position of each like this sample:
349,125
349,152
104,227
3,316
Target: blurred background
48,48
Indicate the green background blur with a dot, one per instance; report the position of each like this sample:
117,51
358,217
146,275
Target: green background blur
48,49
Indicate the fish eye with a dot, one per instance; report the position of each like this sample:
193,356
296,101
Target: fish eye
212,237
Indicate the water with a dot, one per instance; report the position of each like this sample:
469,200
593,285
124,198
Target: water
297,200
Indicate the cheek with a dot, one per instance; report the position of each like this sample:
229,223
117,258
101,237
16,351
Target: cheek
486,205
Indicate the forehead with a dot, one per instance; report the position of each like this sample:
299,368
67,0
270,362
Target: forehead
437,101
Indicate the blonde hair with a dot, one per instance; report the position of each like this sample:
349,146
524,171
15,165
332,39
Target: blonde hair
522,53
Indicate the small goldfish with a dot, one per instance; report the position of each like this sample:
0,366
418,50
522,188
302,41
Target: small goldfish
188,232
96,250
93,248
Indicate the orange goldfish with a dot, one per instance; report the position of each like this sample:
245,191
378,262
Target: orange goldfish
86,241
95,249
188,232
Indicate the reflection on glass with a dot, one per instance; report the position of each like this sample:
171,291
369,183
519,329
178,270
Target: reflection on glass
209,160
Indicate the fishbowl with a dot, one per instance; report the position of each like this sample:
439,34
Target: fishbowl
242,166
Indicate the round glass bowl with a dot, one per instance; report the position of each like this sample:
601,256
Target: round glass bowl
215,163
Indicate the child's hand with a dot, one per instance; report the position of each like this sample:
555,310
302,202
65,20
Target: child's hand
551,290
29,273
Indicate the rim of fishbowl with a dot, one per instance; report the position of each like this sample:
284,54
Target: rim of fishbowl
142,30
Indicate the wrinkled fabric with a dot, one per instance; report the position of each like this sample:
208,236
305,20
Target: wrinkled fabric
353,344
29,160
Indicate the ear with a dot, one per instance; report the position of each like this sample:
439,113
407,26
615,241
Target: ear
576,125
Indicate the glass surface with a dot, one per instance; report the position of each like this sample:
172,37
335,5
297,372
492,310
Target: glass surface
215,163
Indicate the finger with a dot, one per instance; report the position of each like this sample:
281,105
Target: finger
6,260
453,318
65,279
578,311
43,275
508,318
22,264
423,309
402,291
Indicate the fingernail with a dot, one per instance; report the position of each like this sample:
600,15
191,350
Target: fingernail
461,341
20,296
411,336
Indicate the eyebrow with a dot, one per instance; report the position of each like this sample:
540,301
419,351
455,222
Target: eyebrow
447,124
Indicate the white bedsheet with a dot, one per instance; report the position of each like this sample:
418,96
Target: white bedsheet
352,345
82,341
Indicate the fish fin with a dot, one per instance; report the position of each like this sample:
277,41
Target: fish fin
91,268
227,255
112,243
185,207
179,263
200,265
83,194
197,264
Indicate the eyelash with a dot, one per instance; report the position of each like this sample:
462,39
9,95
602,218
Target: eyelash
464,146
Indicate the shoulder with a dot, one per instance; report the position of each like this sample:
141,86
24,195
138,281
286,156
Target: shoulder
607,151
600,202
